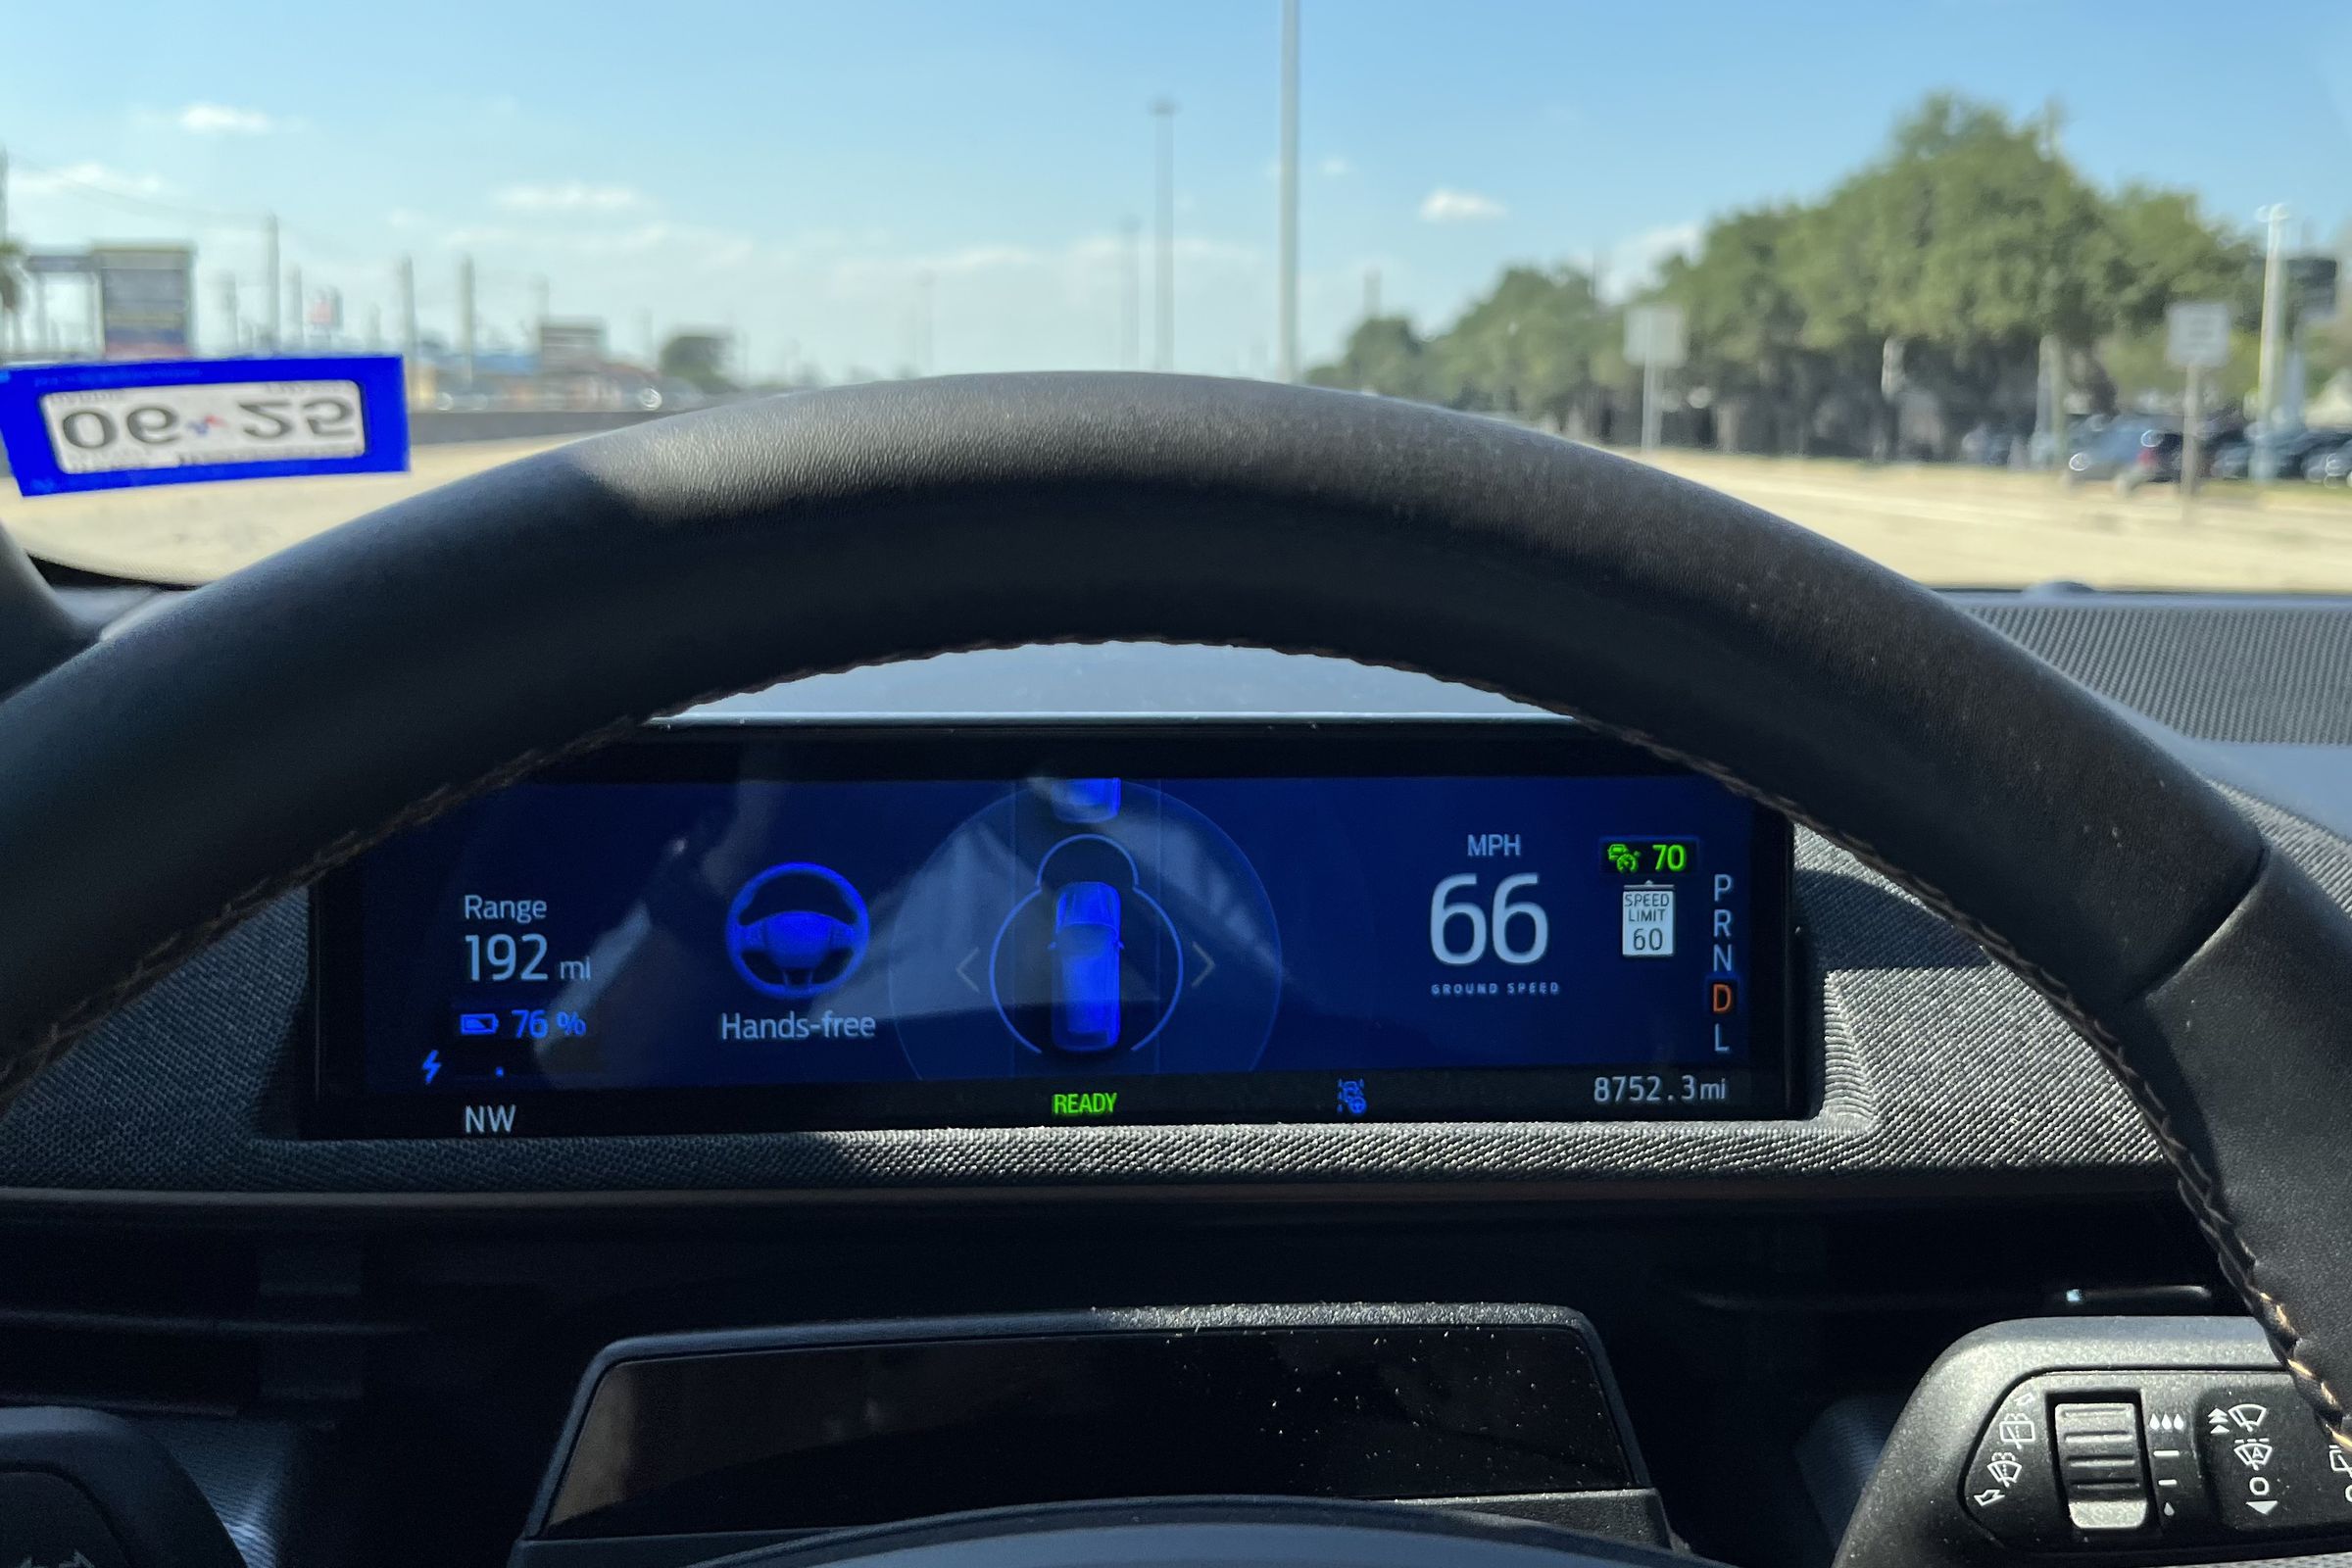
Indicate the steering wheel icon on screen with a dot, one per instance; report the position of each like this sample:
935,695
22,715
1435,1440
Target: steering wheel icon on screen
797,930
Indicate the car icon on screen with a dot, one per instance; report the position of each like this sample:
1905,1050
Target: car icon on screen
1086,968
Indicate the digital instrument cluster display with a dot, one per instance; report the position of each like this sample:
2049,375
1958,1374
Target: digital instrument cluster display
1087,925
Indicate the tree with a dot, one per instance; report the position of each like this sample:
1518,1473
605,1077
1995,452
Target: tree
1967,236
1941,265
1746,327
1384,354
1529,349
699,360
2156,248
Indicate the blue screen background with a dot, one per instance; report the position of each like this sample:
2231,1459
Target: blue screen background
1220,925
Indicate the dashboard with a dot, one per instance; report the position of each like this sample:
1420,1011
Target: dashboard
1131,978
318,1053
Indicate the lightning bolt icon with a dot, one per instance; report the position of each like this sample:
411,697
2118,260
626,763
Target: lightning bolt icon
432,1064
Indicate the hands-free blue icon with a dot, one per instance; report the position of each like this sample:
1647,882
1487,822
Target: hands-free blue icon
1351,1096
1086,966
797,930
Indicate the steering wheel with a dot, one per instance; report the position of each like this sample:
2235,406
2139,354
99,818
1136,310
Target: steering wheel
161,785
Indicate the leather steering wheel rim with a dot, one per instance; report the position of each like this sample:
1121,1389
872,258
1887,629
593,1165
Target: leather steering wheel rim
1202,1532
281,720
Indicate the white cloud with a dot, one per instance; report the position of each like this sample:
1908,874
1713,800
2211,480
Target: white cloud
1448,206
85,177
223,119
1632,264
571,196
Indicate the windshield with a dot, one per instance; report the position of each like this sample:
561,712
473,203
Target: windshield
1998,295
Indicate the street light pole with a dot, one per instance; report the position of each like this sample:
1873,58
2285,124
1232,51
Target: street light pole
2265,457
271,331
406,279
922,321
1163,356
1286,311
465,319
1131,295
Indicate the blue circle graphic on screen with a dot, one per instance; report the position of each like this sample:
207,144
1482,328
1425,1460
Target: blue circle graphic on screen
797,930
1075,996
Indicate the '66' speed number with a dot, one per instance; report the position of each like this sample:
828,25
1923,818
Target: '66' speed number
107,429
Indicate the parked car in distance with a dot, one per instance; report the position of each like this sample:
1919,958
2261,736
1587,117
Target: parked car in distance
2129,452
2329,465
2234,458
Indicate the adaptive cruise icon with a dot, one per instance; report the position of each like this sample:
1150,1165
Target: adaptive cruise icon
797,930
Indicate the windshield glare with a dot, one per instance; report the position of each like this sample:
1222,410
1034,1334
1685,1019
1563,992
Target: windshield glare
1998,296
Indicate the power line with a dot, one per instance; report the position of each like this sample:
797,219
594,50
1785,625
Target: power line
135,199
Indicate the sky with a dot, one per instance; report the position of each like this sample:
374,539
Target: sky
881,185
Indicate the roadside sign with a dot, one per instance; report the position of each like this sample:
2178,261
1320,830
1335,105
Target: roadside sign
69,428
58,263
1653,337
575,345
2197,334
145,293
2311,282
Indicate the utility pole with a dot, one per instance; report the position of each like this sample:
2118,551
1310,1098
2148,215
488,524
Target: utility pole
1285,332
1131,294
923,281
272,336
465,318
2273,308
404,279
1371,293
539,296
229,309
645,330
294,304
1163,355
2049,392
11,330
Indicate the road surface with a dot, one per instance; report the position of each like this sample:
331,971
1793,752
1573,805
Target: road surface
1947,525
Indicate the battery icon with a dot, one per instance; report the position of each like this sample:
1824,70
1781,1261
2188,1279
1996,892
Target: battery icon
478,1024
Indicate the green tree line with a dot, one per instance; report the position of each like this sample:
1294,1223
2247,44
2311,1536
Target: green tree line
1906,305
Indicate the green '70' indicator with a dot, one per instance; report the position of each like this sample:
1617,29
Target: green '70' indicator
1648,856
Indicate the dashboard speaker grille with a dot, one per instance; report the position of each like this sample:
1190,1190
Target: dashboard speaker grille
2270,671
